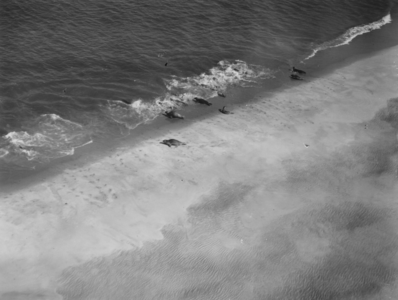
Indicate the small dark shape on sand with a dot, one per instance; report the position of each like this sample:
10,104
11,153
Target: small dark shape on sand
165,64
172,142
226,112
301,72
295,77
201,101
173,115
64,91
221,94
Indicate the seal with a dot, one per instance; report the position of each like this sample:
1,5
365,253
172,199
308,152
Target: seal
226,112
173,115
221,94
301,72
172,142
295,77
201,101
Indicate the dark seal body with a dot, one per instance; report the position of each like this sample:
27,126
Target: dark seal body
172,142
226,112
201,101
295,77
301,72
173,115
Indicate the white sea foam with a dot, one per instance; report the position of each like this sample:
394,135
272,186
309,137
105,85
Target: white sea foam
181,91
350,34
49,136
134,114
218,79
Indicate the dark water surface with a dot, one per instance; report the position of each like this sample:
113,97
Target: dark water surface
65,63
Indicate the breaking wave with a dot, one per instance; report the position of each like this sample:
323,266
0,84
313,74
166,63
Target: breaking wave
350,34
49,137
181,91
132,115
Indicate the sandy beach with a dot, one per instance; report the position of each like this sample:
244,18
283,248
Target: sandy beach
296,190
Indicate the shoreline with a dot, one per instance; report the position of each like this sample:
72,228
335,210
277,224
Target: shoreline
322,64
126,198
236,98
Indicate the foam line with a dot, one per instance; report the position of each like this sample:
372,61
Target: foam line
50,136
350,34
181,91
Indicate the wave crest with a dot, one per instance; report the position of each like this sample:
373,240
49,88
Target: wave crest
350,34
181,91
50,136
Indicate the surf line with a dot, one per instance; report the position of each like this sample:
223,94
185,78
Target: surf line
350,34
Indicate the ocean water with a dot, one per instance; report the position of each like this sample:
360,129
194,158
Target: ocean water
75,73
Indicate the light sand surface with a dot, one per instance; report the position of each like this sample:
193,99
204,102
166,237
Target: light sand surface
269,170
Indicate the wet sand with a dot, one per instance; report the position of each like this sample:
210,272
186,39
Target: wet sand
294,196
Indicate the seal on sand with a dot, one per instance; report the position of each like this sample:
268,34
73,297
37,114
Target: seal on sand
172,142
221,94
201,101
173,115
295,77
226,112
301,72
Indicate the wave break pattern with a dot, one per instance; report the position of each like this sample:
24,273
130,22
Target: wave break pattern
181,91
49,137
350,34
